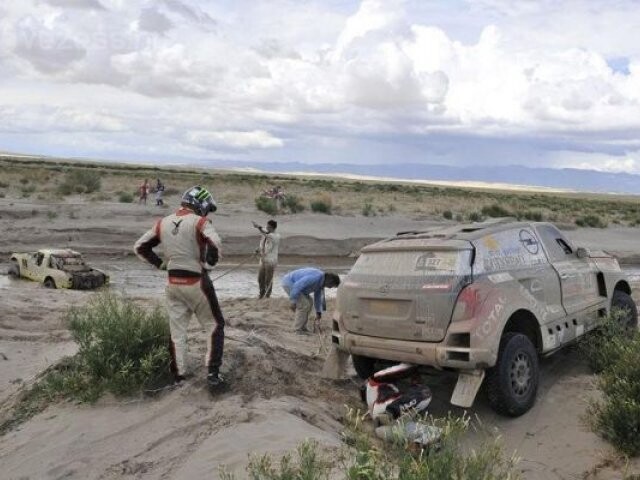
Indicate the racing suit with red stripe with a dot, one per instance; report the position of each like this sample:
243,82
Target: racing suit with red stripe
186,238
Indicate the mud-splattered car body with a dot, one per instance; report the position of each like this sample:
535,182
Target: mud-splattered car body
454,298
57,268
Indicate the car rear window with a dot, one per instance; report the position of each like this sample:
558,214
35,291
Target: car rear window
414,263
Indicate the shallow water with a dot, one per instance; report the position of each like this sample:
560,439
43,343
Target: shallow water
136,279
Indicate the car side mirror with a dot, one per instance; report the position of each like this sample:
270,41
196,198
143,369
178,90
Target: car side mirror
582,252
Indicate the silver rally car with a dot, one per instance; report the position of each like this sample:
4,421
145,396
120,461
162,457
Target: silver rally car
484,299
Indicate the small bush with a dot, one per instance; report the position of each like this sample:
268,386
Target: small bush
322,204
614,352
24,180
80,181
601,348
591,221
125,197
391,208
267,205
447,214
368,210
122,350
293,204
495,211
532,215
475,217
459,218
51,215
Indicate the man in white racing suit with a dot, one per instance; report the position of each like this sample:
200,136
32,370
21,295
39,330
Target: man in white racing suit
190,242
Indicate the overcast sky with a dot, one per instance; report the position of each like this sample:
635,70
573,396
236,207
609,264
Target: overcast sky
458,82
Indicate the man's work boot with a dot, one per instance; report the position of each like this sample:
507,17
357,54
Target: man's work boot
215,382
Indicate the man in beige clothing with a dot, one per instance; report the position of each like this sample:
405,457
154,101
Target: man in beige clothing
268,252
191,246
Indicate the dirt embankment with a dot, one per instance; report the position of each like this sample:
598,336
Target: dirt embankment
112,228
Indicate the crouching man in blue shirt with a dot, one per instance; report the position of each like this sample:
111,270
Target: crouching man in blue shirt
299,285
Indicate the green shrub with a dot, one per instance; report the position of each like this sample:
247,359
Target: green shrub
447,214
614,352
322,204
602,347
293,204
591,221
532,215
267,205
121,345
495,210
364,459
51,215
80,181
125,197
368,210
122,349
475,217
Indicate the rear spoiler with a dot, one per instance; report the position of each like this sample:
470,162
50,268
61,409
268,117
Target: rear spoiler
390,246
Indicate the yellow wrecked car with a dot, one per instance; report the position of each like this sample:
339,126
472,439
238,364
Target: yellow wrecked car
57,268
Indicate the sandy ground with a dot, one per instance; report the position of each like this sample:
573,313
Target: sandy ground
277,398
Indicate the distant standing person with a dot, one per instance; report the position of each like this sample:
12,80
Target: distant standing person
268,252
144,191
299,285
279,197
159,193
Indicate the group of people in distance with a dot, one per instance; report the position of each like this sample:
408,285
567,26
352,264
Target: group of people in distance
191,248
145,188
277,194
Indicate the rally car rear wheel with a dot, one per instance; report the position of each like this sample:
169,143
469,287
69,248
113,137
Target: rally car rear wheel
49,283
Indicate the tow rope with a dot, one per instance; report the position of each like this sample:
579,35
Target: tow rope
234,268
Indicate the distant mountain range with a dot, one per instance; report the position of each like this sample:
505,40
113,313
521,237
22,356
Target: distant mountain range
565,178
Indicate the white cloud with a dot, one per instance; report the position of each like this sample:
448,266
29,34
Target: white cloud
153,20
220,75
629,162
44,46
88,4
239,140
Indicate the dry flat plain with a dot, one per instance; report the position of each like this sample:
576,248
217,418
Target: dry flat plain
277,398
